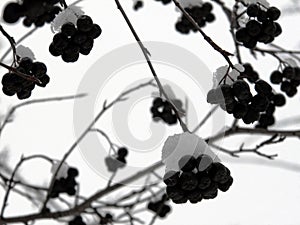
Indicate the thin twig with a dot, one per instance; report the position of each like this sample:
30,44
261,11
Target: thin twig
203,121
81,207
146,55
35,101
223,52
88,129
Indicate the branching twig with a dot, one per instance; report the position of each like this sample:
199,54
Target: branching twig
88,129
224,53
11,42
203,121
30,102
241,150
146,55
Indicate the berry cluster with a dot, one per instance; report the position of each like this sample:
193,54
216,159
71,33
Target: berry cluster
199,178
77,221
137,5
73,40
114,163
289,80
201,14
165,2
249,73
37,12
108,218
164,110
238,100
261,27
14,84
65,185
159,207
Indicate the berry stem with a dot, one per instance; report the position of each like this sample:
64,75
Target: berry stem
23,75
11,41
232,18
18,42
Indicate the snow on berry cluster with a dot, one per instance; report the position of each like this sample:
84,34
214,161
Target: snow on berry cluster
238,100
289,80
37,12
113,163
65,184
160,207
260,27
193,172
202,14
15,84
198,178
74,40
77,221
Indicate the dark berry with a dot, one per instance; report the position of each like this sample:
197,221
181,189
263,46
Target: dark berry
79,38
174,193
26,63
68,29
225,187
271,109
242,35
12,12
55,51
138,5
253,28
73,172
188,181
273,13
84,23
45,79
23,94
276,77
39,69
285,86
251,43
278,30
252,10
251,116
260,103
266,120
203,181
263,88
219,173
262,16
194,196
241,90
211,192
187,163
171,178
269,28
279,100
122,152
240,110
289,72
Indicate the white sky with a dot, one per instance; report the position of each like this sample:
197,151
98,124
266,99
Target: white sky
264,193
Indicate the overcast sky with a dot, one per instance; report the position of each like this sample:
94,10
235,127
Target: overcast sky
263,193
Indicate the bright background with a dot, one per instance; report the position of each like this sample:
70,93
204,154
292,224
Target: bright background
264,192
